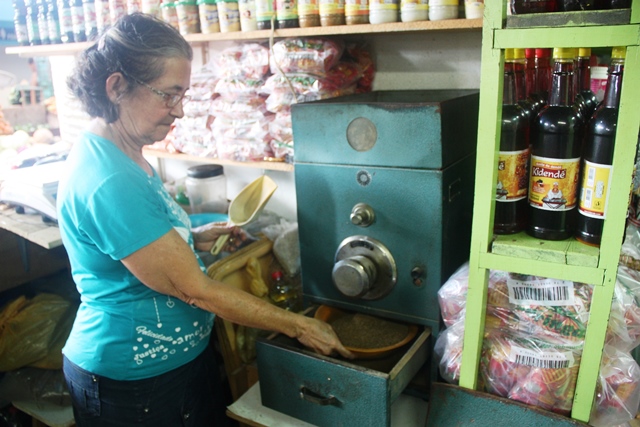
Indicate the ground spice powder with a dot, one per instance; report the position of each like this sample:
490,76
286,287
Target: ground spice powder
368,332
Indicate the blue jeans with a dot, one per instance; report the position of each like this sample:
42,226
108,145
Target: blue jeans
189,396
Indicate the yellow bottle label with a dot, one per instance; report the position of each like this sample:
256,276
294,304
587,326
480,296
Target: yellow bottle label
553,183
512,175
595,190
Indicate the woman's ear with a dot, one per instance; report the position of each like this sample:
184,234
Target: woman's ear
116,87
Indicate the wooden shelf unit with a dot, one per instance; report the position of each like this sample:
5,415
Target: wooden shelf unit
276,166
567,260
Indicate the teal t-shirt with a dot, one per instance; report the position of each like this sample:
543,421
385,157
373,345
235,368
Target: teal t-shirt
108,208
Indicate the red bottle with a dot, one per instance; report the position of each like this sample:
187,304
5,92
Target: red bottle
511,188
543,73
597,156
585,99
555,156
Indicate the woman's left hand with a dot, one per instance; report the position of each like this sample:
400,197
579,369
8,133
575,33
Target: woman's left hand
206,235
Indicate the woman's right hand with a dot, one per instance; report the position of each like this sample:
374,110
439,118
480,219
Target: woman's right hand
320,337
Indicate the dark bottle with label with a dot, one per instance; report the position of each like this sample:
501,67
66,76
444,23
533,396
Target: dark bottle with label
585,99
77,21
619,4
53,22
511,188
66,23
20,22
43,25
597,156
518,63
90,23
533,6
555,156
33,31
543,73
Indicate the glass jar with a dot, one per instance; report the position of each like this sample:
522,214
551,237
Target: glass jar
308,13
151,7
20,22
414,10
103,18
383,11
443,9
90,24
170,14
208,11
247,9
188,17
229,15
117,9
356,12
265,12
287,13
207,189
331,12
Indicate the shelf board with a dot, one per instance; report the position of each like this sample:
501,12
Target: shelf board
336,30
275,166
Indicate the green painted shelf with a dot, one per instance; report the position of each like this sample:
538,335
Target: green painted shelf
566,260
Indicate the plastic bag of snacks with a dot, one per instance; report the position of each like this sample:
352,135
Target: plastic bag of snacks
623,330
305,55
539,372
246,60
448,350
617,391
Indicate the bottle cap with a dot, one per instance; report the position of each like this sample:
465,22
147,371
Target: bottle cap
518,53
618,52
564,53
530,53
584,52
543,53
276,275
508,54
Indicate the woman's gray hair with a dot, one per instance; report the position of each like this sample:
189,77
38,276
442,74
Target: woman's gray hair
137,46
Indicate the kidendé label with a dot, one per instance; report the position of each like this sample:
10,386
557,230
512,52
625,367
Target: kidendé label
553,183
595,190
512,175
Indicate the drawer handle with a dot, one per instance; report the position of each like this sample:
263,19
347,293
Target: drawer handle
314,397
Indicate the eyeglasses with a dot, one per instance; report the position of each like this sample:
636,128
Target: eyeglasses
169,100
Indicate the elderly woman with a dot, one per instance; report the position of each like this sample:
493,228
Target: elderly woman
136,353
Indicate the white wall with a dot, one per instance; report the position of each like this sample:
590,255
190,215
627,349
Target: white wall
427,60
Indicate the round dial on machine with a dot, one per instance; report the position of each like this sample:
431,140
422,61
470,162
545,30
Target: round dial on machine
364,268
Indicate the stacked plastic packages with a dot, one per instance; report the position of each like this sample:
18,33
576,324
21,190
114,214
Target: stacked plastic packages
310,69
534,335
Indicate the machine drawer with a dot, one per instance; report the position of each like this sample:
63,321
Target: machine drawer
334,392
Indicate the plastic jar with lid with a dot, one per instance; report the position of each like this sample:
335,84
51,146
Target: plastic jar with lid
356,12
117,9
443,9
209,21
308,13
383,11
331,12
103,19
414,10
151,7
229,15
207,188
287,13
247,9
265,11
188,17
170,14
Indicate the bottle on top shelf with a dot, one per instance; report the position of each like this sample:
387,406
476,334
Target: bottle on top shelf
511,189
543,73
53,21
555,156
584,97
66,23
20,22
77,21
597,156
533,6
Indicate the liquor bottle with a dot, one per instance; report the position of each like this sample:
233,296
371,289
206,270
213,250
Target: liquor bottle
511,188
518,64
555,156
77,21
66,23
53,21
90,23
533,6
20,22
33,31
585,99
43,25
597,156
543,73
282,292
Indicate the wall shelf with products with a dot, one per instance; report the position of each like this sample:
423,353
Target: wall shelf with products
337,30
267,165
519,253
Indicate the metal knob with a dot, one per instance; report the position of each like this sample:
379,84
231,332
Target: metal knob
362,215
354,276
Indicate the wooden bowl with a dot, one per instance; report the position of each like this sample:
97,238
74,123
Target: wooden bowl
330,314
